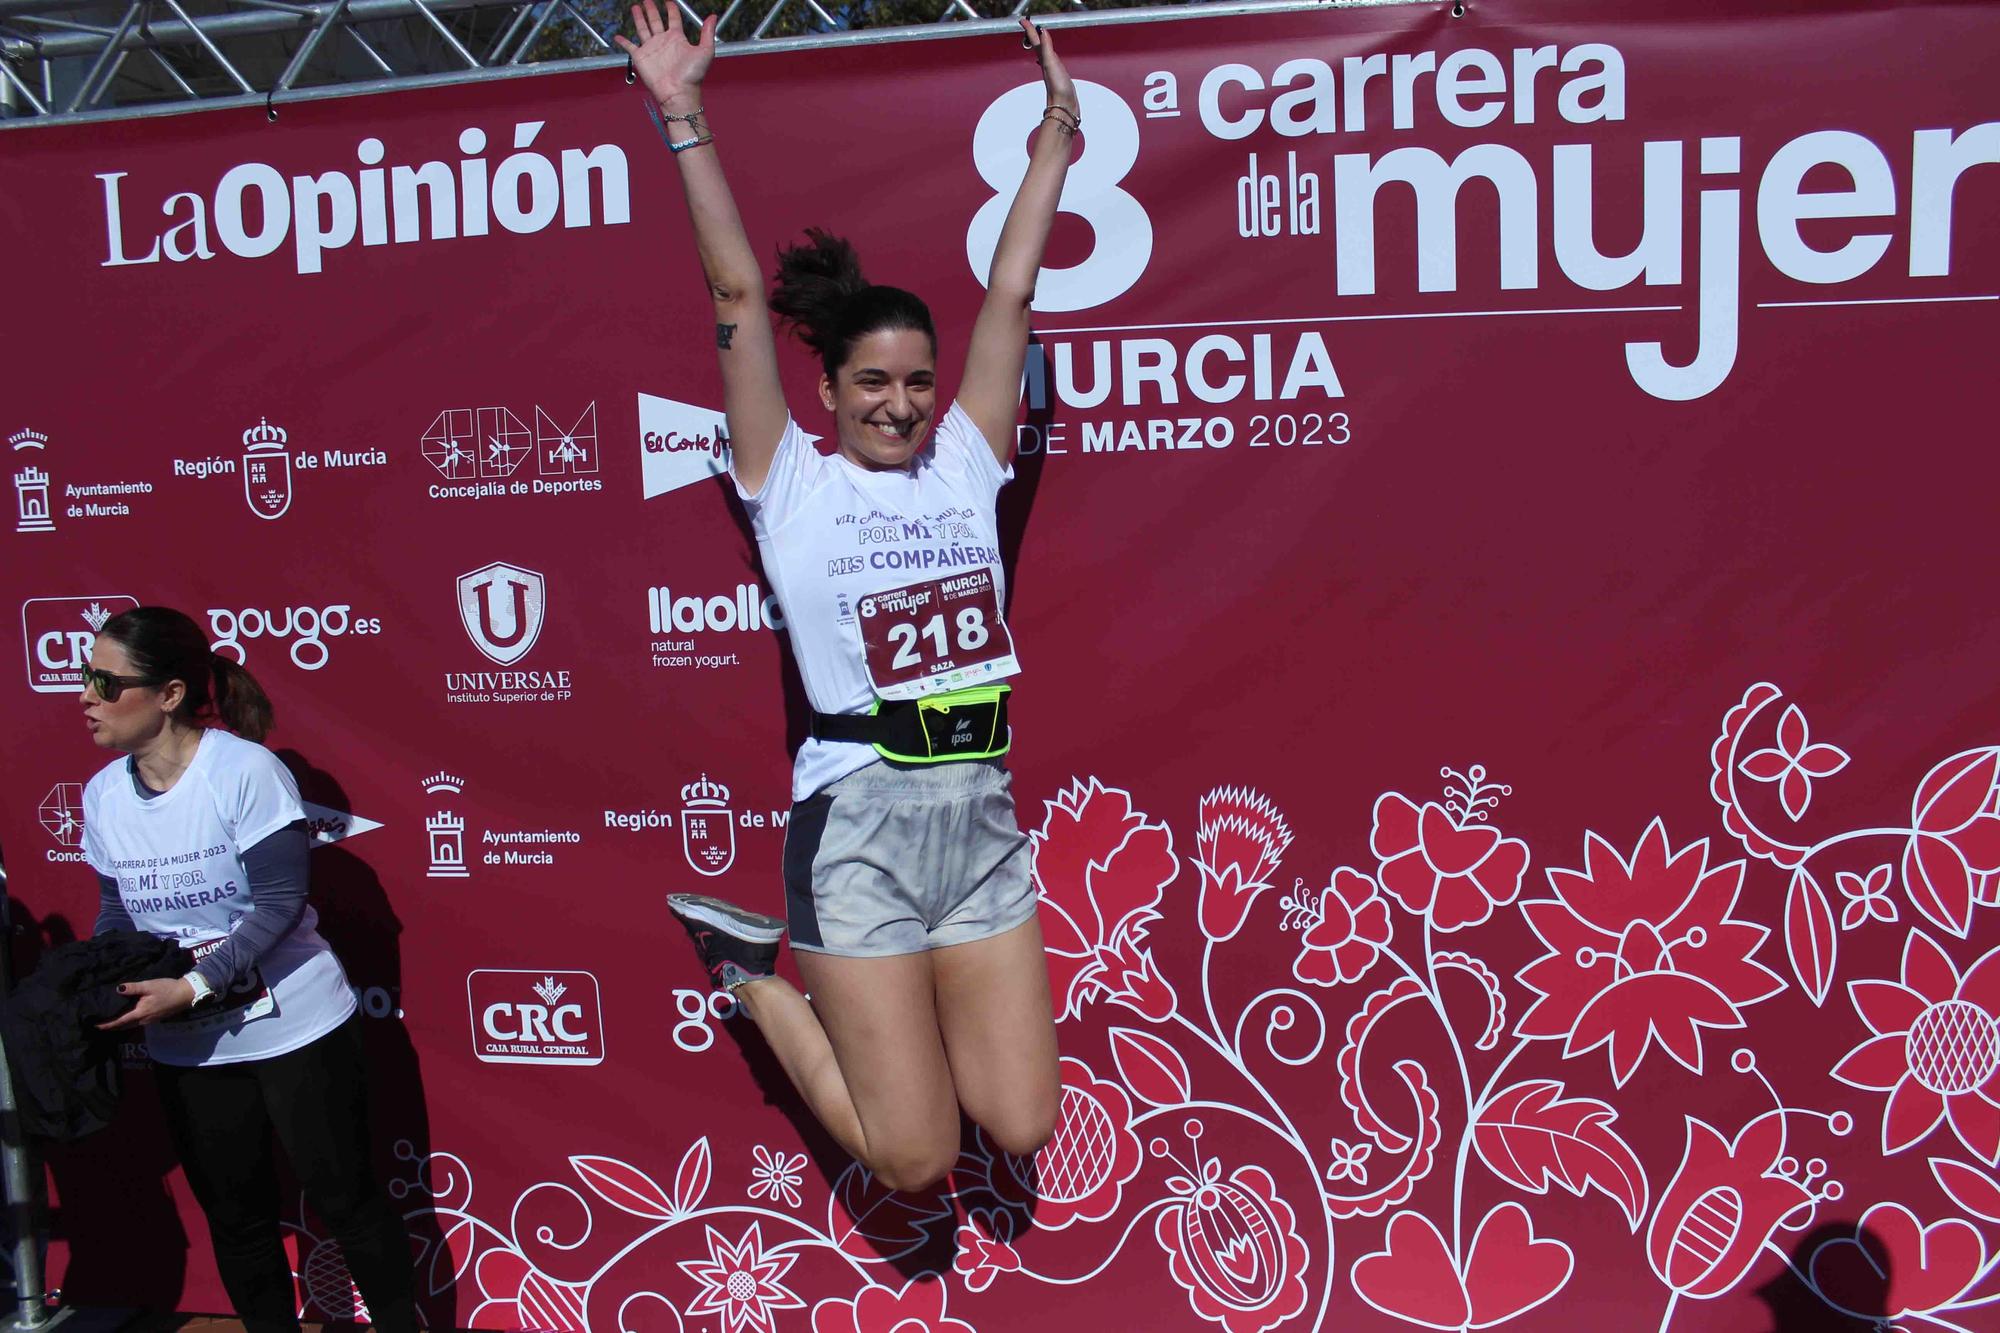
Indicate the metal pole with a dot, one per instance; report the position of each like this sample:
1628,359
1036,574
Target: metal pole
30,1299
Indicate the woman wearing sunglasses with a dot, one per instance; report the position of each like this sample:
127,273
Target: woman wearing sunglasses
197,834
910,909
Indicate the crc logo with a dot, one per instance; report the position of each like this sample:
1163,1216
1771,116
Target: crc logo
304,625
680,444
1123,233
535,1018
501,607
57,633
748,607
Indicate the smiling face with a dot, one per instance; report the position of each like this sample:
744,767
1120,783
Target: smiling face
139,713
883,397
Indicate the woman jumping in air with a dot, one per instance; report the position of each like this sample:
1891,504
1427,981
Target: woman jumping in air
906,876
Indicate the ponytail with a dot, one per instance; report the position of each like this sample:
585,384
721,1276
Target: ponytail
820,291
238,699
166,645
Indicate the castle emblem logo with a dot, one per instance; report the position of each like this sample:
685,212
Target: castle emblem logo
708,829
31,486
445,829
267,470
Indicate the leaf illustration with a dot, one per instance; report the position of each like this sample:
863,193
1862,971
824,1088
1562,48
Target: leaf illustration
691,1177
1939,883
453,1255
1810,936
625,1187
1953,793
1969,1187
1152,1069
1530,1136
868,1220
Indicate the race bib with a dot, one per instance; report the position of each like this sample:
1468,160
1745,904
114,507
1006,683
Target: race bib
248,999
938,635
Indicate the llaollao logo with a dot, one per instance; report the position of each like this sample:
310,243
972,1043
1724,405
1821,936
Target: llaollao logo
1094,191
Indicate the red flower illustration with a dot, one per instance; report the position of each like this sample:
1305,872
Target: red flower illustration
1080,1174
917,1308
1936,1048
1444,861
1508,1271
1953,853
1726,1199
1239,839
1343,933
1793,763
1101,867
1642,951
1126,975
1867,897
1894,1265
740,1283
1233,1245
1897,1265
985,1247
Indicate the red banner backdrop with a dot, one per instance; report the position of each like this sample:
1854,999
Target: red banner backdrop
1509,725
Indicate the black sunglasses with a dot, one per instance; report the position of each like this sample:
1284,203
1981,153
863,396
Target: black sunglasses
108,686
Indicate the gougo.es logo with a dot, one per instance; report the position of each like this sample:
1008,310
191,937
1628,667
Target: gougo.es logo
307,627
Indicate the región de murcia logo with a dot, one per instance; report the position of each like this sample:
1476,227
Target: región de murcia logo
708,829
271,466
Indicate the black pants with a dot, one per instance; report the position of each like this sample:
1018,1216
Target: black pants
314,1100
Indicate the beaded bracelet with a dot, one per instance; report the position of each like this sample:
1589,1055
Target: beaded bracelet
700,133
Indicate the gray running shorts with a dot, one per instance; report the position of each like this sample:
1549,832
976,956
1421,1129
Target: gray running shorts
899,858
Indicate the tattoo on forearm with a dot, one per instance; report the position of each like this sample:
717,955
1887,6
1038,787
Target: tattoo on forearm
723,333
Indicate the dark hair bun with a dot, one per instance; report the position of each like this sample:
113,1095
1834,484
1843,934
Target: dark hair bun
822,294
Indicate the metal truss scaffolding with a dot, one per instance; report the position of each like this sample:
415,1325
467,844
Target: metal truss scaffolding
63,61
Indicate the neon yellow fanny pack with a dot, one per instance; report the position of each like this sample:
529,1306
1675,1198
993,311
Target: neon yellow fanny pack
940,729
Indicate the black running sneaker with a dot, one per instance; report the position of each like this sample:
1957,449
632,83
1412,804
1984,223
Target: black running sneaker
735,945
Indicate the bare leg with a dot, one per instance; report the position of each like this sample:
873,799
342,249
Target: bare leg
867,1057
1000,1035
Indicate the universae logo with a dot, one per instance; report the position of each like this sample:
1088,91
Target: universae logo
502,607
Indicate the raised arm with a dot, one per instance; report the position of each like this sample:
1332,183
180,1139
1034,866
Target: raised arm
991,386
672,70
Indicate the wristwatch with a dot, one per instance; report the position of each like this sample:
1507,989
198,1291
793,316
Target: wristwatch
202,990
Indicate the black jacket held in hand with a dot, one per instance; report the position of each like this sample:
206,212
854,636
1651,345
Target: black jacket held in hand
65,1070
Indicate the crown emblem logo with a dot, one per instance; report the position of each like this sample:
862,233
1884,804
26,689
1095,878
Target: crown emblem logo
442,783
705,794
29,438
95,616
550,990
264,438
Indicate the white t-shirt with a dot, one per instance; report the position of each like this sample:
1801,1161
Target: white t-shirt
177,858
832,532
